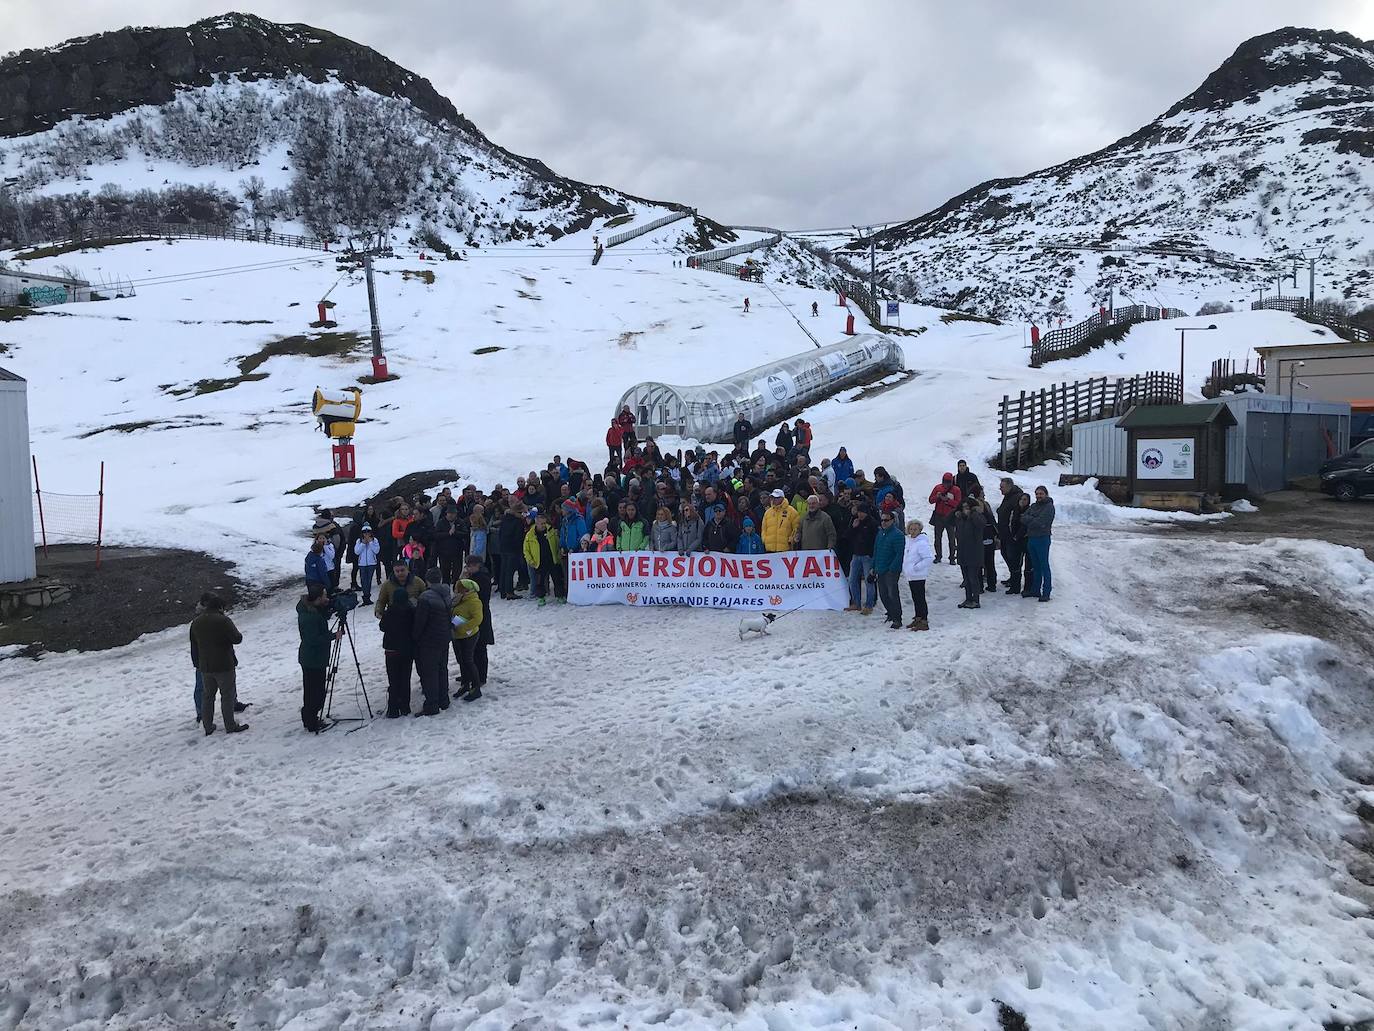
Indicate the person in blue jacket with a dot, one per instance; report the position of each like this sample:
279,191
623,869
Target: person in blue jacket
843,466
572,527
750,543
316,565
888,550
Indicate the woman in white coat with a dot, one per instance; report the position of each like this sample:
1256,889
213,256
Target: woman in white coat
917,558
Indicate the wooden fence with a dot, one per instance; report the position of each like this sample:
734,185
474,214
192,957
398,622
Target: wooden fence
1082,337
721,253
1302,306
1036,424
1230,374
861,296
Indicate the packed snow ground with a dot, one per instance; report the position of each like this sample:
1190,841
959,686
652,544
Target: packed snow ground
1132,808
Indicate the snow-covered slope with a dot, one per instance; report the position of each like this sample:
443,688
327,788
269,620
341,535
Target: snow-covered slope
1127,809
1270,156
1122,810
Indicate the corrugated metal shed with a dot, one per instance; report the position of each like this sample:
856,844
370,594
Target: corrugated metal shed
16,490
1255,453
1099,448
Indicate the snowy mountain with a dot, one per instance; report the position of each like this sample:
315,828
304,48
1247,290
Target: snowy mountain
1270,156
286,126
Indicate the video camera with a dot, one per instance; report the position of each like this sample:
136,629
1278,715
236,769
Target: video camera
341,603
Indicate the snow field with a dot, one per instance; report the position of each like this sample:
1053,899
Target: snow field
1131,808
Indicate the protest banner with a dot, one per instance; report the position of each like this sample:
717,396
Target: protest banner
778,582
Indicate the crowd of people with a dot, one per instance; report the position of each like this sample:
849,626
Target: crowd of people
435,562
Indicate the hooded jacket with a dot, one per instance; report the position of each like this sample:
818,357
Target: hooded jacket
468,608
968,538
663,536
917,557
888,550
843,466
532,547
779,527
398,621
749,543
631,536
946,497
316,640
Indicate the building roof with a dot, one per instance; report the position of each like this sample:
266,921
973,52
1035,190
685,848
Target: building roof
5,374
19,273
1313,345
1168,416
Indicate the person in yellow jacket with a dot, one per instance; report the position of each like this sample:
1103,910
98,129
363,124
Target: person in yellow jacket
466,617
545,559
780,523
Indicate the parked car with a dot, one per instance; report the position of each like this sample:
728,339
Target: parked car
1361,427
1351,475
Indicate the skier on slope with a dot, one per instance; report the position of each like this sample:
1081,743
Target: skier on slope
746,306
815,309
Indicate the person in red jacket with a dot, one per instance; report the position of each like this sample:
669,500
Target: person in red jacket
400,525
614,436
626,421
945,497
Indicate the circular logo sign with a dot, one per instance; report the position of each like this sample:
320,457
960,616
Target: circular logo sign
1153,458
778,387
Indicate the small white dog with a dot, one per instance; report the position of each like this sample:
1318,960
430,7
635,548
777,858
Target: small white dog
755,623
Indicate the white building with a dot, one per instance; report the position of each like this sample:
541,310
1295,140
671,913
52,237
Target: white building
16,489
19,287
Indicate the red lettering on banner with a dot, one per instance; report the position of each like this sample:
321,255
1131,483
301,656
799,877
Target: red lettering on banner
764,569
605,567
643,565
627,566
729,567
811,567
706,566
791,564
679,567
660,566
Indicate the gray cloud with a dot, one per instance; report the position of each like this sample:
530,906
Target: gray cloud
790,112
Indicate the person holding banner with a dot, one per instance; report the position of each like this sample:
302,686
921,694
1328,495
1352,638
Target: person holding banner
888,549
545,559
720,534
817,531
780,523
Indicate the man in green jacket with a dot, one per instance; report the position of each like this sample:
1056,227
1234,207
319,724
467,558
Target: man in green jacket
317,641
213,635
544,556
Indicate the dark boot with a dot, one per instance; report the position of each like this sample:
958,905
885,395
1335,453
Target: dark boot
428,710
209,729
473,695
237,728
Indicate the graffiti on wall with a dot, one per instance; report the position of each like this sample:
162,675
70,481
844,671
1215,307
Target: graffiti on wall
47,295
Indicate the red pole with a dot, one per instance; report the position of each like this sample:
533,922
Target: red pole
100,517
38,491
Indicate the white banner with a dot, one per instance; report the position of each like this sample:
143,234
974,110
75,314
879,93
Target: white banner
779,582
1168,458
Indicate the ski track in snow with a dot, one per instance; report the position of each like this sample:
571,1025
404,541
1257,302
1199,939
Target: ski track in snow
1132,808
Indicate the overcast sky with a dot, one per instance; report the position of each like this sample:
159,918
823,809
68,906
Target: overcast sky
793,113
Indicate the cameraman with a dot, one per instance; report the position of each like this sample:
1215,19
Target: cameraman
317,641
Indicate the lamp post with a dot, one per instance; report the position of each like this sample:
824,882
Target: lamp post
1181,331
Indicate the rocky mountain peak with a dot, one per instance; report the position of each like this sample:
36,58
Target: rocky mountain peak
105,74
1285,57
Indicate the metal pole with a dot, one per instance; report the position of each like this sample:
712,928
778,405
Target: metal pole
372,306
100,517
1311,284
873,270
38,492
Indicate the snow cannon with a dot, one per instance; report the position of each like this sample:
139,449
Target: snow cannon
338,417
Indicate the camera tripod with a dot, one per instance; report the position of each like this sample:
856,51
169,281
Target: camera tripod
335,655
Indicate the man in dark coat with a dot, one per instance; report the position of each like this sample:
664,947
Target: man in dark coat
398,645
510,541
1011,547
213,636
450,543
477,572
432,634
312,621
968,539
744,429
720,534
